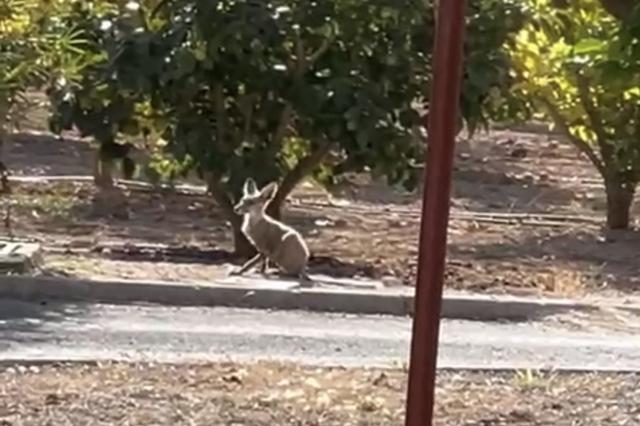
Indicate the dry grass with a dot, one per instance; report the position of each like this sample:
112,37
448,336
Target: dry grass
561,281
285,394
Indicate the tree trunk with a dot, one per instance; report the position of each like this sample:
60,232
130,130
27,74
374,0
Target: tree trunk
103,170
103,174
274,209
241,245
4,123
619,201
5,188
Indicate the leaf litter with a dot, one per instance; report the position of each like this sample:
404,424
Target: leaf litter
269,393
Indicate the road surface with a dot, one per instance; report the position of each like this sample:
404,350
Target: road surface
33,332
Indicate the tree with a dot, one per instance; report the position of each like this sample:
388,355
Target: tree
269,89
580,65
487,94
95,103
35,50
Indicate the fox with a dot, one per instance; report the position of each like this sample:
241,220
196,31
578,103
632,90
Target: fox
274,240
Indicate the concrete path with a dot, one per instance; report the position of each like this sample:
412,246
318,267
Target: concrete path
30,331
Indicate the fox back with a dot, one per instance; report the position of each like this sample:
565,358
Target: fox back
278,241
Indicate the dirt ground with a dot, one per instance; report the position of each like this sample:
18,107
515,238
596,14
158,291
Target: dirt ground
284,394
527,219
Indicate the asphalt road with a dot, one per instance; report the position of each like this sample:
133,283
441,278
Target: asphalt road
34,332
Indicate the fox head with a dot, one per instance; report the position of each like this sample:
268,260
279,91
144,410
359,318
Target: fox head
254,201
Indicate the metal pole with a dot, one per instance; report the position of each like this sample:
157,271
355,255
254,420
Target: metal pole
443,112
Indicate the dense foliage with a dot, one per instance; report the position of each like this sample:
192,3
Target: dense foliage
581,67
35,49
280,89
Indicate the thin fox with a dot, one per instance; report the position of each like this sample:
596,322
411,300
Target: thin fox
274,240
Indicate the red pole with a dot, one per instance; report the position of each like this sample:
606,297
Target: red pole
443,111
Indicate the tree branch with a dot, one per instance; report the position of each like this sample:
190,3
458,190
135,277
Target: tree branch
577,142
303,167
246,108
326,44
4,118
215,188
597,124
301,56
157,8
218,98
298,68
303,62
285,120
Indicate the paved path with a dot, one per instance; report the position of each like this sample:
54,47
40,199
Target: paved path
88,332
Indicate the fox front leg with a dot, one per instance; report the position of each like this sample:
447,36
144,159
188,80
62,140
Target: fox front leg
264,265
249,264
305,280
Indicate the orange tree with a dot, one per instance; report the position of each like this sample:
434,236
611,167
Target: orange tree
35,48
580,65
269,89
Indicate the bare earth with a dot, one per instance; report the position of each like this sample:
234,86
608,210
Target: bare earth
284,394
527,219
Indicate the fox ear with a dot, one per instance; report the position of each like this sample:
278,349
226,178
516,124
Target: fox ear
249,187
269,190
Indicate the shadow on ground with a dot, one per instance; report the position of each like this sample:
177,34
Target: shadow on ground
608,259
490,174
22,321
44,154
324,265
493,190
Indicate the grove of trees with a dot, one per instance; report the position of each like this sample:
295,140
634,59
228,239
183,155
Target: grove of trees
286,89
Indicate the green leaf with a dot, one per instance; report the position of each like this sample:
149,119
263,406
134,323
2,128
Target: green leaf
589,45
